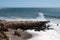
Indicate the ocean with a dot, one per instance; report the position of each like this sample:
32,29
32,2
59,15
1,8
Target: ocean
30,13
35,14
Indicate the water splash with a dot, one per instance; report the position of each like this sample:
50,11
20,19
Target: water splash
41,17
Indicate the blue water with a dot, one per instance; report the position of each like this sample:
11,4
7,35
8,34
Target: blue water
49,13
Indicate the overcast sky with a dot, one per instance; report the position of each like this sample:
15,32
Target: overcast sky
29,3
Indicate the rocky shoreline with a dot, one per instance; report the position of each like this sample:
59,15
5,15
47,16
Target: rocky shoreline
11,35
15,30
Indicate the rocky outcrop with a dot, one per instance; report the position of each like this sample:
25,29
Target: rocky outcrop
24,25
21,25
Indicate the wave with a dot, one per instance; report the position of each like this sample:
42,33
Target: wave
39,18
48,16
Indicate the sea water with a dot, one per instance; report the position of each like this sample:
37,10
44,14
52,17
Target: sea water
35,14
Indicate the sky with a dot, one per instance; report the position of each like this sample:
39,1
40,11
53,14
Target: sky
29,3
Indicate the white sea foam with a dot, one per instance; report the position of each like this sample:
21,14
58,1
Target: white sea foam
48,34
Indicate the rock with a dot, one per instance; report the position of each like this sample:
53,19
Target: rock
24,25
